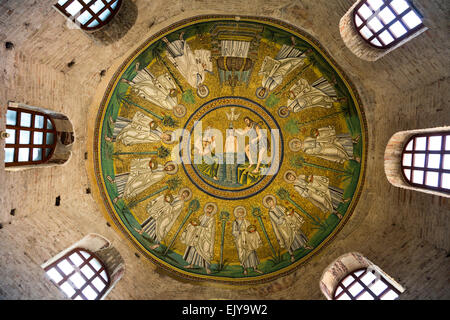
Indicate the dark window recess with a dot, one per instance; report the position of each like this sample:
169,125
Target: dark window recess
89,14
426,161
58,201
384,23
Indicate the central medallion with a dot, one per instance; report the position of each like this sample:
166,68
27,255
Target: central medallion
231,148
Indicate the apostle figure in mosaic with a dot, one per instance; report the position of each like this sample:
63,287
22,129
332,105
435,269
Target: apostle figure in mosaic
141,129
162,213
143,174
161,91
303,95
275,70
317,190
286,225
247,240
193,65
326,144
199,238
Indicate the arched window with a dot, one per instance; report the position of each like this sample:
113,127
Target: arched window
365,284
90,15
426,161
385,23
87,270
354,277
32,137
80,275
372,28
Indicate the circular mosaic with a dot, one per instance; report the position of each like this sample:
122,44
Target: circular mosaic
230,149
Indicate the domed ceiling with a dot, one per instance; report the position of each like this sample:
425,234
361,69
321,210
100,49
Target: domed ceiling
229,149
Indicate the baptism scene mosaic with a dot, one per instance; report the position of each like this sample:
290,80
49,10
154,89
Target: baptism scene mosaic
230,149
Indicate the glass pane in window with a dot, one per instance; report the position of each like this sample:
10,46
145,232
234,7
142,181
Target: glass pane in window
407,159
420,143
375,24
344,297
365,296
65,267
38,137
378,287
407,173
409,146
54,275
419,160
446,164
432,179
434,161
368,278
12,136
9,154
104,275
77,280
446,180
375,42
447,143
93,24
386,37
355,289
87,271
74,8
47,152
364,11
38,122
97,6
390,295
105,14
386,15
84,17
96,264
347,281
49,138
418,176
25,119
85,254
99,284
358,273
24,137
37,154
76,259
11,117
62,2
78,297
397,29
435,143
67,289
338,290
49,124
365,32
358,21
411,19
399,5
24,154
114,5
375,4
89,293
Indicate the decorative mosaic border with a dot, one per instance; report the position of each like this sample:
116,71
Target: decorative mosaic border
205,18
